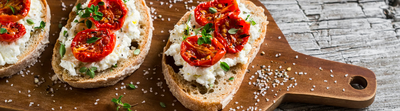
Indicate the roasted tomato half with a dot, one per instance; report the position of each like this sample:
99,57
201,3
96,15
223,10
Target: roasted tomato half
92,45
11,31
233,32
114,14
14,10
207,12
203,55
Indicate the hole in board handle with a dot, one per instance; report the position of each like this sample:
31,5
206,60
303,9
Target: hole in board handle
358,82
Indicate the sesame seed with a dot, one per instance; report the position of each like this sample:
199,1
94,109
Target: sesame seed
343,90
313,86
331,75
327,87
312,89
75,108
325,80
335,81
346,75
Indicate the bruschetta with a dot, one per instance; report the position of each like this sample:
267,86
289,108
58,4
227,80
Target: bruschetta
103,42
209,50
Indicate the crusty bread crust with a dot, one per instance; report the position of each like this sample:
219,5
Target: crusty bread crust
124,68
35,47
215,100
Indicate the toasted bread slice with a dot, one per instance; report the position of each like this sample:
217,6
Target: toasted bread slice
197,97
124,68
33,48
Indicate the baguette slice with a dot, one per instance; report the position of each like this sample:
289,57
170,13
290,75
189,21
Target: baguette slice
195,96
124,68
34,47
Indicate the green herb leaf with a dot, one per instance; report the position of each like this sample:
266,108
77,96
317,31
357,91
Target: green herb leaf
184,37
101,3
224,66
208,27
211,85
247,17
89,24
204,40
83,69
252,22
12,9
42,25
76,21
119,99
90,73
92,40
118,108
190,16
232,31
65,33
114,100
162,105
93,68
132,86
129,110
62,50
136,52
3,31
115,65
212,10
79,6
30,21
85,15
126,1
231,78
126,105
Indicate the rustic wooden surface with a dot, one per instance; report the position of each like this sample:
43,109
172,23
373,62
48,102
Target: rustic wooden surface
349,31
301,31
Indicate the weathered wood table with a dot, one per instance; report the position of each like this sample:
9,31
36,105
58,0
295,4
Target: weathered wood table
349,31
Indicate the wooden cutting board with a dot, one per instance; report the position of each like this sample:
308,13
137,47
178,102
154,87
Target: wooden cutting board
311,80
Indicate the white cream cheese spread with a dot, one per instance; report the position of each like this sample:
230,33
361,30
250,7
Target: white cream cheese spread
207,75
128,33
